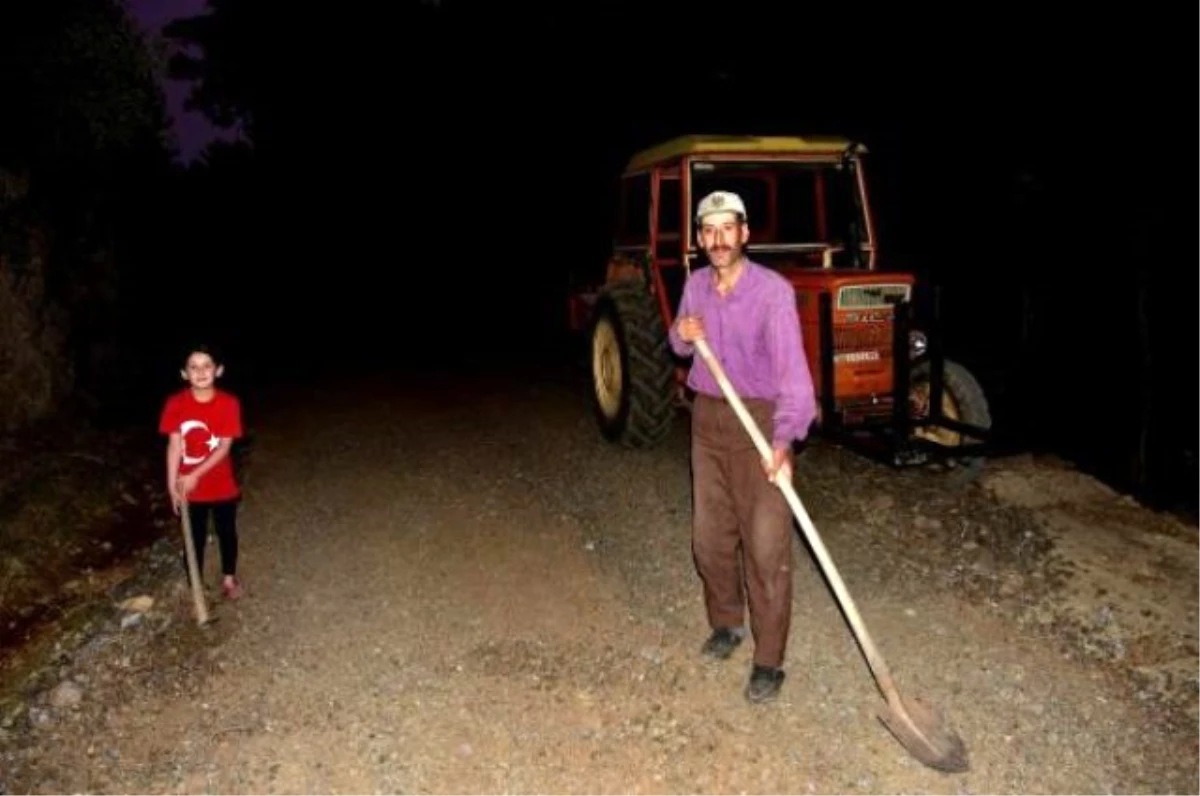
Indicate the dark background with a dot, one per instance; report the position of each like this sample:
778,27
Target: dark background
427,180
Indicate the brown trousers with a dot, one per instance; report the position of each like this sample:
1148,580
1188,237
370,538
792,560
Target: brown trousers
737,510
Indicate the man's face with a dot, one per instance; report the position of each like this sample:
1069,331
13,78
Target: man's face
723,236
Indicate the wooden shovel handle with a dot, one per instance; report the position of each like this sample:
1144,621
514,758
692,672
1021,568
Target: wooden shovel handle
193,569
878,667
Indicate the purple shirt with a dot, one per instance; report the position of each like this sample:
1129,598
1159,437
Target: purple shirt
754,332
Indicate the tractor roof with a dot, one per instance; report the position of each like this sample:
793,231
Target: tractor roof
737,144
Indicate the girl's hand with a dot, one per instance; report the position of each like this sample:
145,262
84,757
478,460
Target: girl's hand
185,485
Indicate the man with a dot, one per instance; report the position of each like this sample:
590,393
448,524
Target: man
747,313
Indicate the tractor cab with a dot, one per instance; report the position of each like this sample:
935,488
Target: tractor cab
805,203
806,213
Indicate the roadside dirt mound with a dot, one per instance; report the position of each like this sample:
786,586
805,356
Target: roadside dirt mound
1129,594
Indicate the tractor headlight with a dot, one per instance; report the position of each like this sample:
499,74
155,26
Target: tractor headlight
917,344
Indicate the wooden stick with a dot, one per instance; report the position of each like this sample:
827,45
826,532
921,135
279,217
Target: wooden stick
193,568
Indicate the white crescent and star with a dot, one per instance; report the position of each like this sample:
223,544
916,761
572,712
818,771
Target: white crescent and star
211,442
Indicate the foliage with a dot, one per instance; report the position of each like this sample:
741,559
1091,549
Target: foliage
80,80
83,144
87,115
227,76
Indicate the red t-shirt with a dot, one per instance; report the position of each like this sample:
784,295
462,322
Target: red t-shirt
200,424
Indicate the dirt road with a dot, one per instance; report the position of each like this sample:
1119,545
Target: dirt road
457,587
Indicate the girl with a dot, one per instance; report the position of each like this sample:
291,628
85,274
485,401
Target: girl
201,423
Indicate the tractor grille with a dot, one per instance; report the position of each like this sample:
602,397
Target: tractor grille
864,297
861,336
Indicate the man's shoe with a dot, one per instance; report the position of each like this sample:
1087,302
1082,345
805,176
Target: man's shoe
722,642
764,684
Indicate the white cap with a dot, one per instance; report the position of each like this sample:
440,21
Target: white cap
720,202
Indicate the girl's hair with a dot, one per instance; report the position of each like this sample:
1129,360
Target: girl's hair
202,348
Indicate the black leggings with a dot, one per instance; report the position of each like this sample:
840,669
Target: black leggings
224,514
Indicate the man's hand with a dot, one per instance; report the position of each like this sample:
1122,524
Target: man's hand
691,328
780,466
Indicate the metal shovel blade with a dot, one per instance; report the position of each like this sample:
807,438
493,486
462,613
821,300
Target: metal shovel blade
920,730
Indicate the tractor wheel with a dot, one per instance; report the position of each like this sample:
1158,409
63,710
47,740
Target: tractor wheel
962,399
633,390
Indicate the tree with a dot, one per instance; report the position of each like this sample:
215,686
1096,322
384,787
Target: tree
85,134
228,77
81,81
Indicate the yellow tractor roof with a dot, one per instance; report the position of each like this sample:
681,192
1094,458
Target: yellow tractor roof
737,144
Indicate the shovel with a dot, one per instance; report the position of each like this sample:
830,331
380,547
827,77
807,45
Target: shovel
193,568
916,725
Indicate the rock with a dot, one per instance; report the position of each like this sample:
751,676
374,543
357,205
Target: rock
881,503
652,654
927,523
130,620
66,694
140,604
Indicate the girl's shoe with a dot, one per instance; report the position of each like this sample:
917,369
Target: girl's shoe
231,587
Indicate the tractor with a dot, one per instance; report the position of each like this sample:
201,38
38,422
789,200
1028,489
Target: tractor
883,385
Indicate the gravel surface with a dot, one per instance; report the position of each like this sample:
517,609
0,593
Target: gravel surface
455,586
